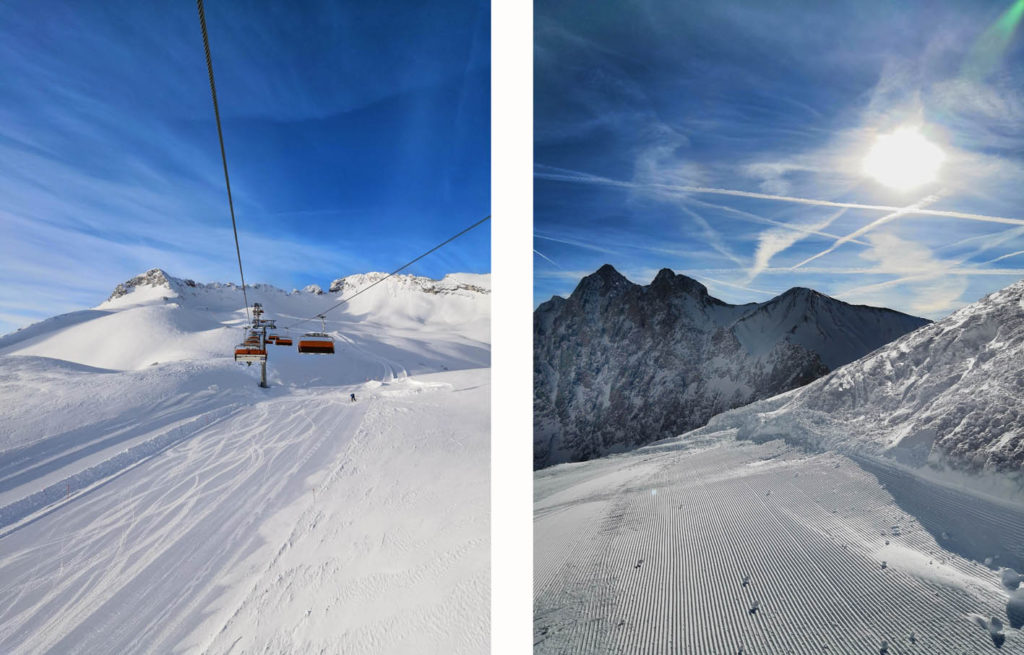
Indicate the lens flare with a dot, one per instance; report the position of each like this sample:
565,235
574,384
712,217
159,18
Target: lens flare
988,52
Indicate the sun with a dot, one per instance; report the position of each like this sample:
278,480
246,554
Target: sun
903,160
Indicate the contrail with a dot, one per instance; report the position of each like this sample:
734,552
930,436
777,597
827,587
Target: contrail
537,252
565,175
767,221
713,237
870,271
890,283
990,240
585,178
578,244
870,226
1012,254
851,205
736,286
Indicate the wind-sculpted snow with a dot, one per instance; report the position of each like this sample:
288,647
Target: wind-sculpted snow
154,499
948,395
618,365
717,546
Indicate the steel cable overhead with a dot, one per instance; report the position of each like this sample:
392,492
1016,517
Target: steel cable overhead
394,272
223,155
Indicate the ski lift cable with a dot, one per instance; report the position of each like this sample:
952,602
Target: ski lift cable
223,155
394,272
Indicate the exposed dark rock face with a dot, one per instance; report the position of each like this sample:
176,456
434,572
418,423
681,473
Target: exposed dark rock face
618,365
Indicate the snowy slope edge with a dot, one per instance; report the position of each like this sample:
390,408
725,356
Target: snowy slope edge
947,394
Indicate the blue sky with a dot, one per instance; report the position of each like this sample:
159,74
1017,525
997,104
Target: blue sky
726,140
357,136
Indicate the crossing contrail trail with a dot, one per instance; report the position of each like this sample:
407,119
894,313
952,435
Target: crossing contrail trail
586,178
909,209
714,239
1019,272
795,227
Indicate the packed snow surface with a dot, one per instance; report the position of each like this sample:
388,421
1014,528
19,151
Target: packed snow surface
154,499
719,546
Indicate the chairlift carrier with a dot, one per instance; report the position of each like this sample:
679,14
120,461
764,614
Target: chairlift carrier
317,343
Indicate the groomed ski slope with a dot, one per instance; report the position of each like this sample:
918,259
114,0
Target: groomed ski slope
647,552
176,507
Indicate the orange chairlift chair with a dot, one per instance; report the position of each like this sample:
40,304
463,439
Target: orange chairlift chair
251,351
317,343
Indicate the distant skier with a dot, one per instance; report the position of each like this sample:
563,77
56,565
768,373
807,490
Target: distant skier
353,397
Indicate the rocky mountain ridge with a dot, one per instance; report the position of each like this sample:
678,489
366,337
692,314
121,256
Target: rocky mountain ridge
618,365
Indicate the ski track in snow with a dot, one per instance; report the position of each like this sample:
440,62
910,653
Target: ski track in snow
138,564
646,553
172,506
184,507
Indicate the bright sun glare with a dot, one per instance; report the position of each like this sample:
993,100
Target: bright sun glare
903,160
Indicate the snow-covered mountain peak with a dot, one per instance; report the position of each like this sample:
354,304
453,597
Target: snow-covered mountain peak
154,277
315,289
157,317
946,393
452,283
156,285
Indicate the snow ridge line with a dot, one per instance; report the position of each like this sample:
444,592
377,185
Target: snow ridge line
57,493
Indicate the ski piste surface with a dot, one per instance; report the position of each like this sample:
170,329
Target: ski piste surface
301,522
154,499
647,552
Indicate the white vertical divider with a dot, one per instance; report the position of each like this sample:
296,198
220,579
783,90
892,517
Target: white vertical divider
512,326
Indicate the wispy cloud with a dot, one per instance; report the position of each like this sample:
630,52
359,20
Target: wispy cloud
777,240
109,163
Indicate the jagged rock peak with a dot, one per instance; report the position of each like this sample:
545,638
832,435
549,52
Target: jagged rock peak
604,280
154,277
669,280
608,272
801,292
